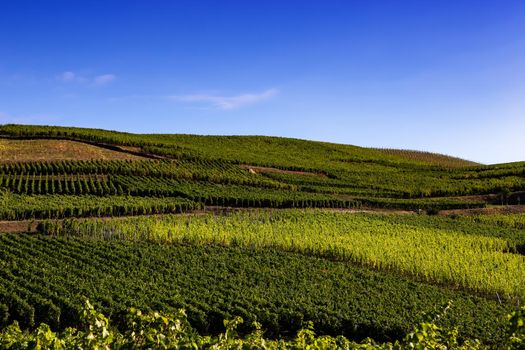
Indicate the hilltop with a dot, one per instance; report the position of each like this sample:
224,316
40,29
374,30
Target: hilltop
261,150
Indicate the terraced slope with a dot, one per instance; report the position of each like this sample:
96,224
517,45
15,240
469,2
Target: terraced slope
323,174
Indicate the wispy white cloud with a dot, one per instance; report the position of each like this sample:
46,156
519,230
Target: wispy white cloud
99,80
227,102
104,79
67,76
70,77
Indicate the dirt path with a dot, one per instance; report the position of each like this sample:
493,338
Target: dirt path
507,209
18,226
261,169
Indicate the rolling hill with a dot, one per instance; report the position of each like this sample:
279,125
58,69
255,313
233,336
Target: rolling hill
205,168
276,230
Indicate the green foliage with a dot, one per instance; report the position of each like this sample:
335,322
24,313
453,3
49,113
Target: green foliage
269,273
516,221
20,207
517,326
172,331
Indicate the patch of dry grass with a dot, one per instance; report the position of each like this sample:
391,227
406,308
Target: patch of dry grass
50,150
429,157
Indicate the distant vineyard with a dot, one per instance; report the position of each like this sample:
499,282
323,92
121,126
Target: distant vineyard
369,176
206,182
217,172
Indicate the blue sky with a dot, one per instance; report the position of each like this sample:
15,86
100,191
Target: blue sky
435,75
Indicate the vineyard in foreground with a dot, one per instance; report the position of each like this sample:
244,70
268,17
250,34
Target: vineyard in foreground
160,331
43,279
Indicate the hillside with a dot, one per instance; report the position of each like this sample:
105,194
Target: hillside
262,150
275,230
187,165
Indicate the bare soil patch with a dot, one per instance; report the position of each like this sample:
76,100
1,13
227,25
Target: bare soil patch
372,210
18,226
488,198
261,169
131,149
52,150
504,209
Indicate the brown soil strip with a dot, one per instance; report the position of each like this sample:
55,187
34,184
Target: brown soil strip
372,210
488,198
18,226
131,149
508,209
262,169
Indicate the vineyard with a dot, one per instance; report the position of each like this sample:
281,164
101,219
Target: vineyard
476,261
282,232
45,278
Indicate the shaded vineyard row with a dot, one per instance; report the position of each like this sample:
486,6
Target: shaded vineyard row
208,193
21,207
368,180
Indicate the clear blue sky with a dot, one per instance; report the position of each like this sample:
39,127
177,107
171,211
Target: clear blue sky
438,75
